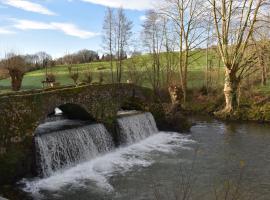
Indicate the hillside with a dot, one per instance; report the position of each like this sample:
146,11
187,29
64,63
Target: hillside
196,75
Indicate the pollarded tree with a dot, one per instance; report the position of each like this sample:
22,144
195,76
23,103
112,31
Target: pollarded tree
234,22
17,67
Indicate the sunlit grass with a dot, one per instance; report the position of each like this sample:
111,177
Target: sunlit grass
196,73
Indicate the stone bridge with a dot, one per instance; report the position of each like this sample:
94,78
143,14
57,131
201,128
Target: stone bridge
21,113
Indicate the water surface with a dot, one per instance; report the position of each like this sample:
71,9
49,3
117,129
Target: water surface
156,167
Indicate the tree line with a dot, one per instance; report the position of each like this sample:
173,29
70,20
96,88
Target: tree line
16,65
236,31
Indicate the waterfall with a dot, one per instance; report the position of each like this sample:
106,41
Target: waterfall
63,149
134,128
60,149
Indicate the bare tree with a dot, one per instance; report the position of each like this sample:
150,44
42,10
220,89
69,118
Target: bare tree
262,46
187,16
135,69
109,37
169,45
153,39
16,66
123,35
88,76
262,51
44,60
101,77
234,25
72,69
74,75
209,39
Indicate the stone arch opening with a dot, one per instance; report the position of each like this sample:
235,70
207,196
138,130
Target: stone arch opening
75,112
65,116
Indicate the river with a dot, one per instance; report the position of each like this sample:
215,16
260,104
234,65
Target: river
232,158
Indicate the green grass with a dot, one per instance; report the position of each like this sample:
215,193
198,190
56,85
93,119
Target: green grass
196,74
263,89
33,80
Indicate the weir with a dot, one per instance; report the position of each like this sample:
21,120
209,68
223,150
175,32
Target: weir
22,112
135,128
66,148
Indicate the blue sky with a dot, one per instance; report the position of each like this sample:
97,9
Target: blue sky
59,26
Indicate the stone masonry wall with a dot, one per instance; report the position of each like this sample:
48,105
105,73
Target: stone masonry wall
21,113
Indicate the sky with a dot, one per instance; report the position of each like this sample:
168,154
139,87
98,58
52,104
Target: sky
60,26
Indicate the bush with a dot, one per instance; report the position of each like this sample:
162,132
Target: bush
88,77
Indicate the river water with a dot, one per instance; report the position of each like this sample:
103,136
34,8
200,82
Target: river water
231,158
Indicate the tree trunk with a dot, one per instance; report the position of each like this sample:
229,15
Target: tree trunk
16,79
111,64
263,75
184,88
120,70
230,92
16,83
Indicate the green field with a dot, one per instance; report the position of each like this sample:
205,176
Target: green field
196,73
33,80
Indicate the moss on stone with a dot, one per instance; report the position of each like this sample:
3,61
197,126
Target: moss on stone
17,162
158,112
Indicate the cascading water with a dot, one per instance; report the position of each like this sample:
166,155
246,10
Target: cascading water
86,156
63,149
135,128
66,148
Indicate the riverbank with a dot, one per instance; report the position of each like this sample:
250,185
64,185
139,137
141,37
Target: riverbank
253,107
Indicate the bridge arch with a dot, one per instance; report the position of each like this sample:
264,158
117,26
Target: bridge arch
76,111
58,119
21,113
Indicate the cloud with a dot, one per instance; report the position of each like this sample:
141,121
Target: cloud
28,6
31,25
71,29
127,4
66,28
5,31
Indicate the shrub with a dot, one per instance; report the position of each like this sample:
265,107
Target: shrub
88,77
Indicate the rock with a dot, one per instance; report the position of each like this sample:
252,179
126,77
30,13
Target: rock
177,122
171,118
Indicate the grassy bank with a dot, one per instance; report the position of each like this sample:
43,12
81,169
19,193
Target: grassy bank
196,75
254,104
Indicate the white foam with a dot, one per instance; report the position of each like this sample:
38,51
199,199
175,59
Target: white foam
127,112
100,169
57,111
